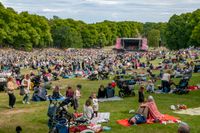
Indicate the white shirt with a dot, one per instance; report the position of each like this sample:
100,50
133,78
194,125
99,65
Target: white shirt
166,77
88,112
95,104
27,84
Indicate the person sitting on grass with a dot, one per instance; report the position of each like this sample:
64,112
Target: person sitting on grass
153,112
88,112
110,91
39,93
69,92
56,93
150,86
101,92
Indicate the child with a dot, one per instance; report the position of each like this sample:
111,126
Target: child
77,96
69,92
95,104
141,94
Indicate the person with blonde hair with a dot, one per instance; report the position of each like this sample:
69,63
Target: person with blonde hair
26,83
11,86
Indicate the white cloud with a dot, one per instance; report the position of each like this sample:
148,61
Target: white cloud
103,2
52,10
99,10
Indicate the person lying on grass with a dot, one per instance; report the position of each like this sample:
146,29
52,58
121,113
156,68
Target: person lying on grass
137,119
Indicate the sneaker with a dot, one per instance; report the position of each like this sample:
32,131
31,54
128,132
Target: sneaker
28,103
23,102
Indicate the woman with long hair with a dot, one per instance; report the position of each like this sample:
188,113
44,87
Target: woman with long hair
11,86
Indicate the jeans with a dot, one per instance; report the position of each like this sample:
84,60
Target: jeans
26,98
12,100
165,87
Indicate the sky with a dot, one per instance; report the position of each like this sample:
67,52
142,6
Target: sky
91,11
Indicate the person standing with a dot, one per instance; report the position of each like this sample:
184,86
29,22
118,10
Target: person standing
141,94
165,82
95,104
26,82
77,96
10,90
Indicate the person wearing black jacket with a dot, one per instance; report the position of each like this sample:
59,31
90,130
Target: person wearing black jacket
101,92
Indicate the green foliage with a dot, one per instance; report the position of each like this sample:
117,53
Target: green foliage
27,31
153,38
183,30
158,26
23,31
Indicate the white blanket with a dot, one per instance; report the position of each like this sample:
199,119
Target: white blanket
115,98
192,111
101,118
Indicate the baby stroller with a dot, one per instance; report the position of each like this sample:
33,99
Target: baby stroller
126,88
59,117
182,87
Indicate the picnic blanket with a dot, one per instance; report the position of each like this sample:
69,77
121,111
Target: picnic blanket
153,114
193,88
101,118
115,98
191,111
166,119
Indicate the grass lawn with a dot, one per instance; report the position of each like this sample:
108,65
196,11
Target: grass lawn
33,118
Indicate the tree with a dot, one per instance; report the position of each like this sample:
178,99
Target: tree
178,31
101,40
74,38
153,38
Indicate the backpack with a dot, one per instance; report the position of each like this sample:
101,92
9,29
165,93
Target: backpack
61,126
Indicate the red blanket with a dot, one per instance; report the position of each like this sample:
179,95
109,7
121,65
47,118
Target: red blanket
166,119
193,88
153,114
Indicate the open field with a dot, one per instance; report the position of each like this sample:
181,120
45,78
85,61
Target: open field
33,118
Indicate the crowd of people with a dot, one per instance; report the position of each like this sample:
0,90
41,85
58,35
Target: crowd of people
50,64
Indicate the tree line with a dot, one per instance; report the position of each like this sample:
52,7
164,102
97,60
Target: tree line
26,31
